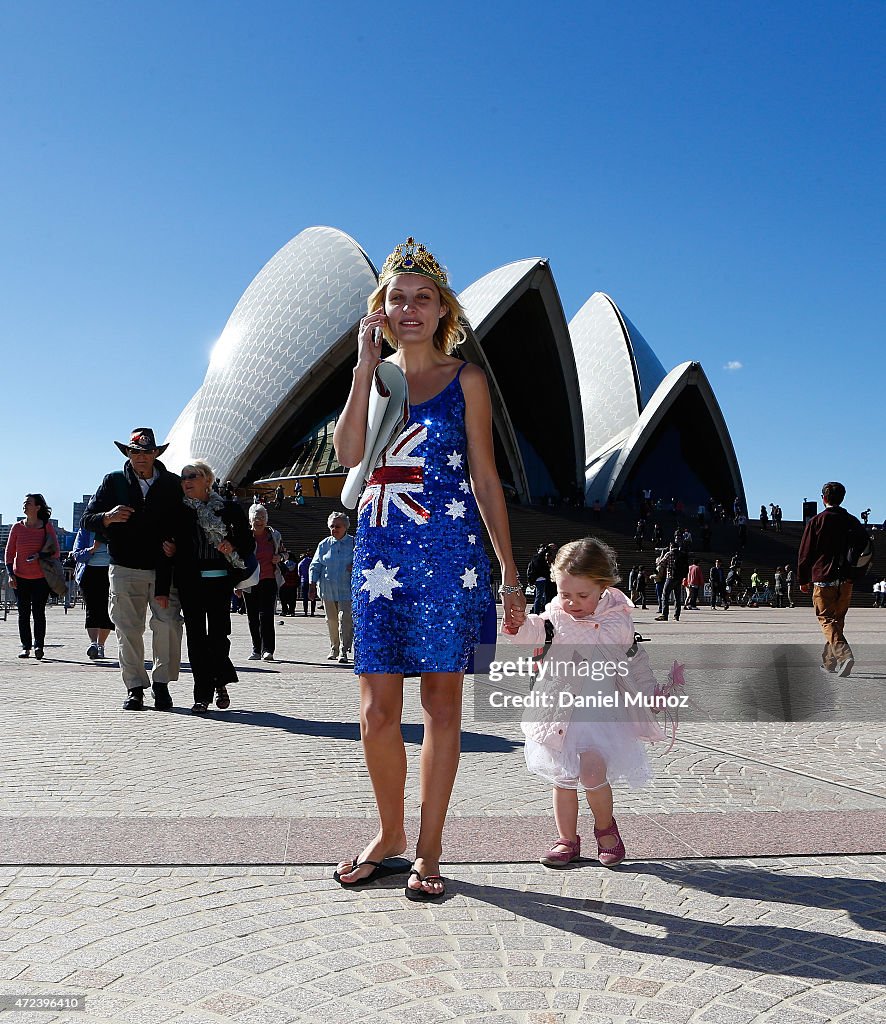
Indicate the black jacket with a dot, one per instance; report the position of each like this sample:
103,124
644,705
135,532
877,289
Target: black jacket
192,548
138,543
538,568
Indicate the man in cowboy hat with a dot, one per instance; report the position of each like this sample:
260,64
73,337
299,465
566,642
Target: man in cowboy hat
136,510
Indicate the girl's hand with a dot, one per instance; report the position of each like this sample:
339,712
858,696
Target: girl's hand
226,547
369,339
168,550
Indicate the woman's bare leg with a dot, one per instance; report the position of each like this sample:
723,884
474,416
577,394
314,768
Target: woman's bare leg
441,695
381,709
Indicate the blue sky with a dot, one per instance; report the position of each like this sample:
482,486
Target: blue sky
717,169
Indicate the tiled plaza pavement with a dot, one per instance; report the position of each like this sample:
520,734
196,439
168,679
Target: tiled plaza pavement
276,791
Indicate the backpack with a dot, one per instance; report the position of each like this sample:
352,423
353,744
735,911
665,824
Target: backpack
859,553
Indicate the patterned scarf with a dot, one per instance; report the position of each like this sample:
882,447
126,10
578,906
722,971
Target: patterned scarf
212,525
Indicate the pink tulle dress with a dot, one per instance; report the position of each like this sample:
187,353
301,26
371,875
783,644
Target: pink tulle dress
556,737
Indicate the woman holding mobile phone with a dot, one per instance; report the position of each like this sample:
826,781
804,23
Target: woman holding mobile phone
420,583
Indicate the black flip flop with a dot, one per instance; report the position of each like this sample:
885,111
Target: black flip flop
380,869
422,895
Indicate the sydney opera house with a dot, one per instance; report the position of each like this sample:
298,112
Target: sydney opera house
579,408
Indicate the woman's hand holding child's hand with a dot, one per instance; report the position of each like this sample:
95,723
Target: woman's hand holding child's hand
515,616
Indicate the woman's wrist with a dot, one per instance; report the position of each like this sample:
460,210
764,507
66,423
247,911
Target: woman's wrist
509,573
506,589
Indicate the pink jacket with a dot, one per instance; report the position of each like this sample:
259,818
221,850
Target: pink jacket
612,627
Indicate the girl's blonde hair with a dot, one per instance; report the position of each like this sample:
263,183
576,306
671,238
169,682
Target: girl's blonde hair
449,333
588,557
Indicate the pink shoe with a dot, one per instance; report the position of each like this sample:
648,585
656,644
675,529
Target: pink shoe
559,859
609,858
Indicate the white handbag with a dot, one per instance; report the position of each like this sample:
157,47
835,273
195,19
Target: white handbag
387,415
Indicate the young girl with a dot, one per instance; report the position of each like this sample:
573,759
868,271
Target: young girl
562,745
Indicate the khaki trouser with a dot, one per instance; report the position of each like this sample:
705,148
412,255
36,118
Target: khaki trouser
340,625
131,595
831,605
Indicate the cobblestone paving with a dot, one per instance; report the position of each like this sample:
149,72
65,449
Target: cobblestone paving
776,940
291,746
797,941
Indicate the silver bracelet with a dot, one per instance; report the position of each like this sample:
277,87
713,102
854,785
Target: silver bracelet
505,589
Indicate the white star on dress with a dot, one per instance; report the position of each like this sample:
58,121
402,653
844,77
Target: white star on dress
465,486
456,509
454,460
469,579
472,538
380,582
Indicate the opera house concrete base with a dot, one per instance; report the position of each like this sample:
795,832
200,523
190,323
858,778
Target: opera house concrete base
582,411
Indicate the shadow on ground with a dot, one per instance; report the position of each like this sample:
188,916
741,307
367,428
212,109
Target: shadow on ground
471,742
769,949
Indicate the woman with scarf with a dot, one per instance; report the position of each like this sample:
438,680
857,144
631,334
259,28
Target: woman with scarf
214,551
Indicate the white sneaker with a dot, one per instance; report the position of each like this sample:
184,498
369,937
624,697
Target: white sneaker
267,656
101,651
255,656
332,657
92,651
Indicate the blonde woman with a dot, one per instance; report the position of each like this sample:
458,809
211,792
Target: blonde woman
421,577
212,551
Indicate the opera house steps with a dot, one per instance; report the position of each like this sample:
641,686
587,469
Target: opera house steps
304,526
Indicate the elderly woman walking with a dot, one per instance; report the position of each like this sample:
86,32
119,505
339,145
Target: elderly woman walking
330,571
212,554
261,600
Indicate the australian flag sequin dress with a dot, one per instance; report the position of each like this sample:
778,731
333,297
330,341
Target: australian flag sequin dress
421,576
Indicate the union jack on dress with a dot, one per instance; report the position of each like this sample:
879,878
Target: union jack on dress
397,477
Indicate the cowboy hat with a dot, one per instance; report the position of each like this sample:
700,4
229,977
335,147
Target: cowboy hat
142,440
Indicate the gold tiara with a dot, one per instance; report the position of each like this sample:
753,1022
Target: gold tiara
411,257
